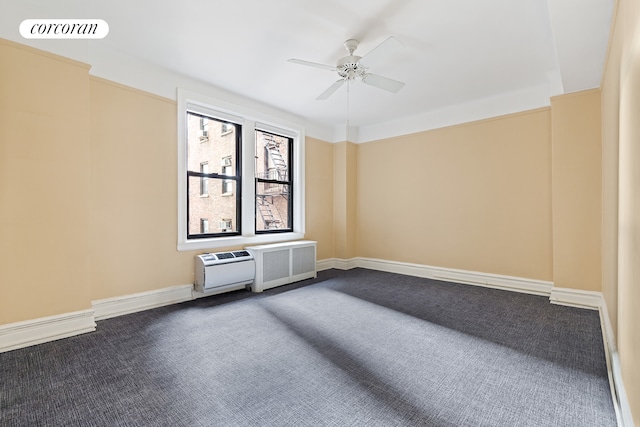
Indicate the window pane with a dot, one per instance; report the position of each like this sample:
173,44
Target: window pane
273,204
215,211
212,150
272,156
207,144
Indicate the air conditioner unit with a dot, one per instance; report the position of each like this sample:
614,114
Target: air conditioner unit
226,128
226,161
283,263
203,135
223,271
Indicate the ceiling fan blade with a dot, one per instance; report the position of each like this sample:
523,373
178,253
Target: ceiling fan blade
330,90
312,64
382,52
382,82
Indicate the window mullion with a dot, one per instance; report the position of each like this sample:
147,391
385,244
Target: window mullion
248,184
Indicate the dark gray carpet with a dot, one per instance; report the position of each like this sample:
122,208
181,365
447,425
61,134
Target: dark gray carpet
354,348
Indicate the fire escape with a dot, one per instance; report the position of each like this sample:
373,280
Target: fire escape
276,171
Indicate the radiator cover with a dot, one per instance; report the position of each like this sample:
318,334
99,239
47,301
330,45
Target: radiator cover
282,263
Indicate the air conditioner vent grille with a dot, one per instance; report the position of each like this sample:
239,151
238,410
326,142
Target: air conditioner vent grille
240,254
224,255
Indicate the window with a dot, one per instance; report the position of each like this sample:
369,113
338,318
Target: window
202,202
273,182
204,225
256,194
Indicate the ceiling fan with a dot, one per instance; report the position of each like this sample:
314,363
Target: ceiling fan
353,67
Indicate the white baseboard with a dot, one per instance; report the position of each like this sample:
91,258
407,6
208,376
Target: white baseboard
497,281
576,298
620,401
118,306
325,264
337,263
44,329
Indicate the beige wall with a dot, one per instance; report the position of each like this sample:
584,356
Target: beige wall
88,188
621,174
474,197
577,190
345,195
610,107
319,183
45,192
133,193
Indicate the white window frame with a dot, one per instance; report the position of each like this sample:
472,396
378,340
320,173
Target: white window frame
250,120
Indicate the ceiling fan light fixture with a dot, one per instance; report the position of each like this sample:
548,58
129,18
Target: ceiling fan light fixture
349,67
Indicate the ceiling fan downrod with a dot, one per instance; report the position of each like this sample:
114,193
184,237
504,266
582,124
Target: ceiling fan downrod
349,67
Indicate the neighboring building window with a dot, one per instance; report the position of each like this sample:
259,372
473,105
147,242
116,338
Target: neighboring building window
227,184
203,133
226,224
274,210
202,181
204,225
226,128
256,194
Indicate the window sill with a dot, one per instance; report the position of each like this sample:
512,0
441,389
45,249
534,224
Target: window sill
226,242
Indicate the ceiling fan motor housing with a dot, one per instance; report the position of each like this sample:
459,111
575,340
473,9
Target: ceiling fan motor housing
349,67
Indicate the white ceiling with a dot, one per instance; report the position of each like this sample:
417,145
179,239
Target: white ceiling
460,57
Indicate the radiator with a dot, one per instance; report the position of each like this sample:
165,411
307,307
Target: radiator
223,271
282,263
